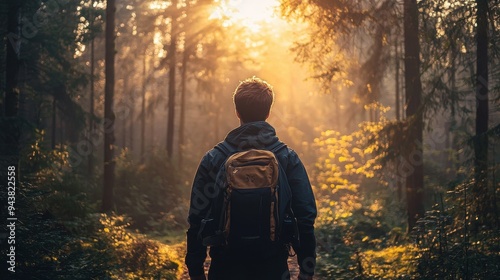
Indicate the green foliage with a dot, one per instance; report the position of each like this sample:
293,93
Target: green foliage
135,256
451,242
333,27
61,236
356,208
95,246
53,36
65,192
150,193
359,225
347,163
393,262
47,248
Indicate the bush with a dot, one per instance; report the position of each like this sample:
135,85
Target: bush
97,246
150,193
59,235
359,224
449,244
64,193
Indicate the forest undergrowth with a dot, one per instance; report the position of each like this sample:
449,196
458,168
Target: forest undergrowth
361,230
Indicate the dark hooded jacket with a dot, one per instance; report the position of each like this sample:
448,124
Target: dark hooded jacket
253,135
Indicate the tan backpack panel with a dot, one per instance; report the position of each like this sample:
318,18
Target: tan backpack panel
253,169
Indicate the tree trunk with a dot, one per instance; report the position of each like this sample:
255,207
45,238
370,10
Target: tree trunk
91,110
450,147
10,124
54,118
61,130
397,101
171,87
152,113
481,139
143,108
131,120
217,120
125,96
413,154
397,97
185,58
337,110
109,117
396,85
124,133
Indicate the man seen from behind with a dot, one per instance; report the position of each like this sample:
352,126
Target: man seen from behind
253,99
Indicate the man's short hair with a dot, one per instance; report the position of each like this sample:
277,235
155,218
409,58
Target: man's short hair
253,99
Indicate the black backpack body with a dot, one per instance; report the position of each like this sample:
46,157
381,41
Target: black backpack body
251,215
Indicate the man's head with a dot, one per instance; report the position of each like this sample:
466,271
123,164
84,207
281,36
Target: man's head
253,99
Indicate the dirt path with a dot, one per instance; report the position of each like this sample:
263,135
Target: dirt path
292,266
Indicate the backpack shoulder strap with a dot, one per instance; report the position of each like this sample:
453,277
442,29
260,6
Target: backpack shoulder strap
225,148
285,193
217,203
276,147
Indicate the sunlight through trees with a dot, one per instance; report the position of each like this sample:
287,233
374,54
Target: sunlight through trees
108,106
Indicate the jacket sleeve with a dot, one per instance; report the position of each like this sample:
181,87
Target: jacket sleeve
203,182
304,208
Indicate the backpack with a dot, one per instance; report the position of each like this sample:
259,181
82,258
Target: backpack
251,214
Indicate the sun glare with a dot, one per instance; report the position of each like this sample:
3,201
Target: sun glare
251,14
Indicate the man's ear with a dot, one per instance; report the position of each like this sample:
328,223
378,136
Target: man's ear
268,115
237,114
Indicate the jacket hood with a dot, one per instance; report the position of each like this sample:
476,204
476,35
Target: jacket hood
258,135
